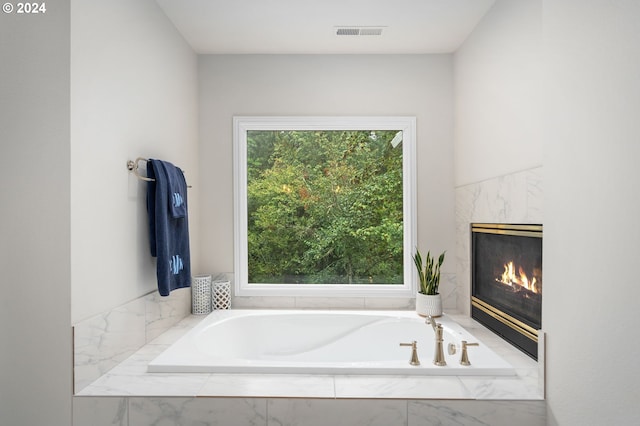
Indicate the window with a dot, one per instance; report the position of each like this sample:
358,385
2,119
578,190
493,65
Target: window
324,206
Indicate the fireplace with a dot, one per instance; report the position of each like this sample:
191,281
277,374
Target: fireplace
506,281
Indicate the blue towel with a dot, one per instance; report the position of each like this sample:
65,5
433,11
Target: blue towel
168,225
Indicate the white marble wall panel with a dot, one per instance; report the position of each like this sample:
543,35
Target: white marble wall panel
448,289
322,412
103,411
177,411
158,384
263,302
197,411
477,413
163,313
353,303
535,196
105,340
330,302
509,389
399,303
272,385
406,387
542,360
178,330
514,198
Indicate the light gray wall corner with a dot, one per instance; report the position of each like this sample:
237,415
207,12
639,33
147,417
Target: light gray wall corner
35,360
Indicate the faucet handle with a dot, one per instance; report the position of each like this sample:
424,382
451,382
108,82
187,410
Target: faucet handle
464,357
414,352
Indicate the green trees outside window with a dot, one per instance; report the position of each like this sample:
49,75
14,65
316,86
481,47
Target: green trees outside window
324,206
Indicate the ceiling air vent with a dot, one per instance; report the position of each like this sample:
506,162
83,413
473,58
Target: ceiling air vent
358,31
370,31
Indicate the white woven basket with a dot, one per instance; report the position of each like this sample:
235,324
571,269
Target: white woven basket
201,294
221,295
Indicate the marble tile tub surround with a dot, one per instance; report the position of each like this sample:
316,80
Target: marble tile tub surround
103,341
303,412
130,378
128,395
135,411
513,198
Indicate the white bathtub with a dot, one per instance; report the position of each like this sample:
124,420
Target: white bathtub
321,342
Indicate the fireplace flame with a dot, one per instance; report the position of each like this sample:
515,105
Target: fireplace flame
511,278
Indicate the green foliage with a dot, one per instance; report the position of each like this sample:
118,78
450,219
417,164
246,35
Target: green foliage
324,207
428,273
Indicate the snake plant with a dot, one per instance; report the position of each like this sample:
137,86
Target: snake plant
428,273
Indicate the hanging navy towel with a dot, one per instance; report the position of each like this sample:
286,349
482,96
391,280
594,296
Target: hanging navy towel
168,225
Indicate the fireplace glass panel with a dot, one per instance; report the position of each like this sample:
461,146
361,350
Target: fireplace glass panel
507,281
508,274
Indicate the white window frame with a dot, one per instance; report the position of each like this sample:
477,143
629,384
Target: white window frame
242,124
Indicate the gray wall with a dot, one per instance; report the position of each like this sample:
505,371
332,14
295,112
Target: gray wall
498,96
35,354
592,207
395,85
133,94
571,66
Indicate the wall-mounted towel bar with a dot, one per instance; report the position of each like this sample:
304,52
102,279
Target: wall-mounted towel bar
132,166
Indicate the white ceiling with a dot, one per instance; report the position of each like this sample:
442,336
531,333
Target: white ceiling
309,26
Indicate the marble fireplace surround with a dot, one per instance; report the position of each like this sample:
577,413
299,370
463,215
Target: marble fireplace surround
514,198
111,351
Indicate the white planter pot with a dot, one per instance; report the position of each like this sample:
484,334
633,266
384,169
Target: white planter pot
428,305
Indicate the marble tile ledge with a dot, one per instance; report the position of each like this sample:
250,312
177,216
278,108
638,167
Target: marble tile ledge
130,378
